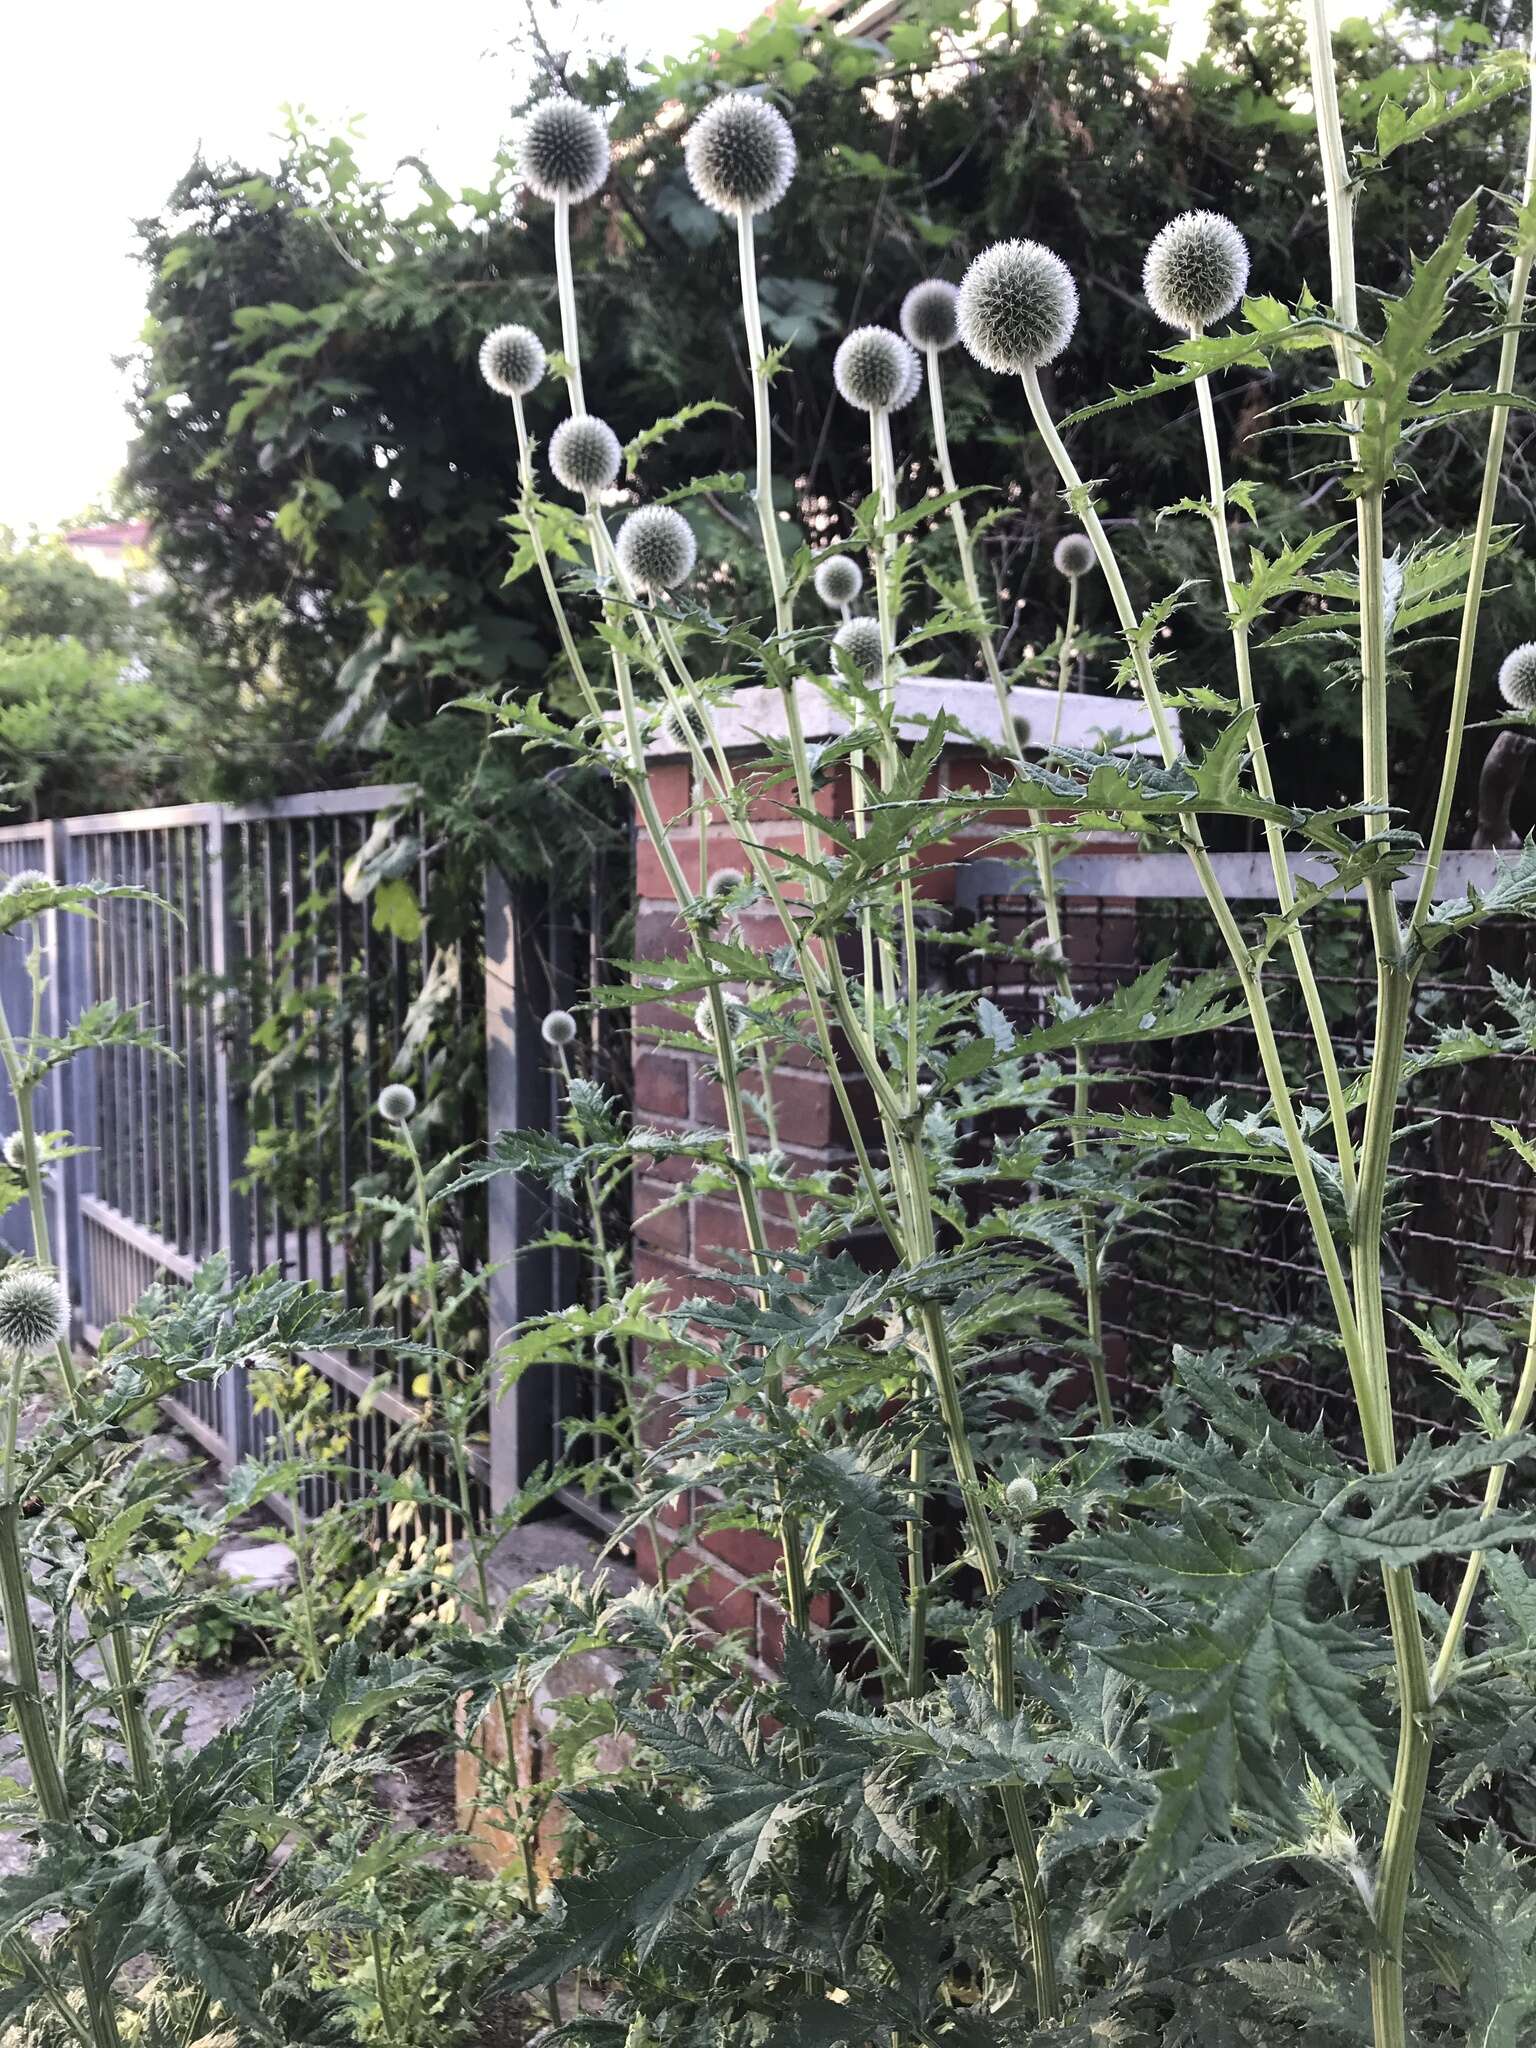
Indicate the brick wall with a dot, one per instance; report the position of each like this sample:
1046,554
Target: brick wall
676,1243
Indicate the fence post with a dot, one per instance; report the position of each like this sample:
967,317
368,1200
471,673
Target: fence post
229,1205
526,974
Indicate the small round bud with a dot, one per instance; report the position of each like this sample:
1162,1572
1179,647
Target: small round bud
683,725
930,314
1021,1493
512,360
558,1028
1517,678
876,370
724,880
1196,270
1020,727
740,154
704,1017
838,580
1018,306
584,455
859,639
1074,555
15,1152
656,548
26,878
33,1313
397,1103
563,152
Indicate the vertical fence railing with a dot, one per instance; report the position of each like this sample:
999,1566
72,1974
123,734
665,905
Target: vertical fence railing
542,952
35,848
279,1008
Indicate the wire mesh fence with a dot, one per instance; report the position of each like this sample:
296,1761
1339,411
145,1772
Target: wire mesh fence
1227,1255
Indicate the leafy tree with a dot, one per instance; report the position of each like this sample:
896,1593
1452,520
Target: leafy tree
326,471
97,694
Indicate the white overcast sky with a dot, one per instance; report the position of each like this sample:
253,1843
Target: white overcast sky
104,108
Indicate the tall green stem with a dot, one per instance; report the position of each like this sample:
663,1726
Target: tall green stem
1045,861
1514,1422
1263,781
1243,963
1477,568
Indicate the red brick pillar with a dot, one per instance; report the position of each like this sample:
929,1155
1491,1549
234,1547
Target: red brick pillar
675,1241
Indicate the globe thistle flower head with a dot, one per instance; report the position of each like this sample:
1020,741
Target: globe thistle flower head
1018,307
704,1017
397,1103
1021,1493
14,1152
838,580
558,1028
740,154
1196,270
683,726
876,370
563,150
725,881
859,640
584,455
1517,677
25,878
930,314
1020,728
512,360
1073,555
656,548
33,1313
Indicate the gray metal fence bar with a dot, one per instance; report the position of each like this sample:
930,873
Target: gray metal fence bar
1244,877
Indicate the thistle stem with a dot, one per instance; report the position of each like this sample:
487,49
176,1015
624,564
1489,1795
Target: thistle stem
1477,568
1514,1422
1045,860
1243,963
1274,838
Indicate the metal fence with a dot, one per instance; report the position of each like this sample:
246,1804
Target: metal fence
281,1008
1230,1254
282,1002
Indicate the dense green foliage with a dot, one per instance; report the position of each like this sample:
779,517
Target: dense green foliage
327,482
97,694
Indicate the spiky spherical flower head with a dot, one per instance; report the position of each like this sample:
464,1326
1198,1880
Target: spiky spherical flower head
1019,725
563,152
397,1103
15,1152
585,454
876,370
838,580
859,639
1074,555
1021,1493
656,548
740,154
704,1017
26,878
930,314
33,1313
558,1028
724,881
512,360
1018,307
1196,270
1517,678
